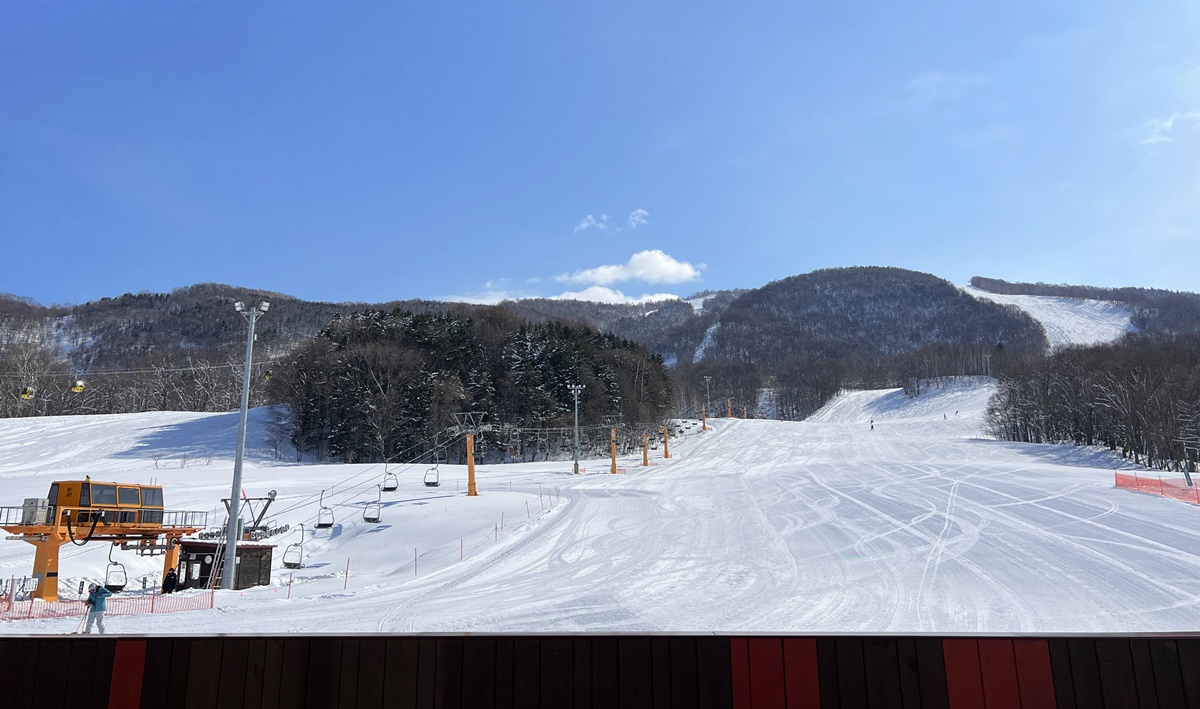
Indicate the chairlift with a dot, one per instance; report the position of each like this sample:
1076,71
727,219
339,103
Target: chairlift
28,393
115,577
390,482
373,511
78,387
293,555
432,477
324,515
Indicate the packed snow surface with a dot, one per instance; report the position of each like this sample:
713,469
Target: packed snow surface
754,526
1068,321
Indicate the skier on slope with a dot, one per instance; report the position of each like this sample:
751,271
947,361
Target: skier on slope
96,607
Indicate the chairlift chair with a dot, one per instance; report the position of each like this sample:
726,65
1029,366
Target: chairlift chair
293,555
115,577
432,477
390,482
78,386
27,393
324,515
373,511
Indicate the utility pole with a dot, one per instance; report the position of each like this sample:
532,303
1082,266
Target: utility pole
575,389
707,391
230,567
988,358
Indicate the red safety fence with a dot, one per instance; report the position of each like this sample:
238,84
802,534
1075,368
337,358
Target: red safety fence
1155,485
131,605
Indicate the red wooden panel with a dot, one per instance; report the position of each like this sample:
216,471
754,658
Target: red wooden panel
766,673
964,682
129,664
739,663
800,674
998,668
1034,675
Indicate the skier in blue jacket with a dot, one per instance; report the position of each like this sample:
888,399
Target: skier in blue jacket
96,607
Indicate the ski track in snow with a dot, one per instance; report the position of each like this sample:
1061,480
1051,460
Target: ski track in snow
1068,321
920,525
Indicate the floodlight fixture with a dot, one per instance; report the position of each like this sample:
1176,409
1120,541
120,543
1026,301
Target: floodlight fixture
264,306
239,306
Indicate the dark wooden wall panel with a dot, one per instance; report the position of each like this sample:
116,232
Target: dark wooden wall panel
235,661
448,673
684,673
623,672
606,673
372,658
203,673
881,665
1118,683
715,681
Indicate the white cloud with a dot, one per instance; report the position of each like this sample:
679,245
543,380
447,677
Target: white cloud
1158,128
590,221
601,294
638,218
652,266
487,297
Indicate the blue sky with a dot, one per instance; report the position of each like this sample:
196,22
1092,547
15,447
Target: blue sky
378,151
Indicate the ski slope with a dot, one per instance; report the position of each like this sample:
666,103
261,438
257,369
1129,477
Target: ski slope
1068,321
919,525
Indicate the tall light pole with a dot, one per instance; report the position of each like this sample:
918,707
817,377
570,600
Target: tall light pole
988,358
230,569
575,389
707,393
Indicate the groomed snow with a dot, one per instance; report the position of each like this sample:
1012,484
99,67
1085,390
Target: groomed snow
1068,321
822,526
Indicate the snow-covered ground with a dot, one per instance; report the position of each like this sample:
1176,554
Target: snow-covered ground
1068,321
820,526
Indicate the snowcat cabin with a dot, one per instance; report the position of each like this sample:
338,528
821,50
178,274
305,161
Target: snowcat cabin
109,504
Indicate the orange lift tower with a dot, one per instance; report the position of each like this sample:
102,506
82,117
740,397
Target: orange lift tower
82,511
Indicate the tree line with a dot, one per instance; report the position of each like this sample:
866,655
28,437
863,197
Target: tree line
375,385
1139,396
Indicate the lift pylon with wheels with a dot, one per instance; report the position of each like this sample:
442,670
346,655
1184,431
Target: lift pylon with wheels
79,511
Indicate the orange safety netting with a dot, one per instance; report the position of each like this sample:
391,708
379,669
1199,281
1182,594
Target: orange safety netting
135,605
1155,485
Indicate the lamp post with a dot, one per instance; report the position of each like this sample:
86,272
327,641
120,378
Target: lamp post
575,389
707,393
252,315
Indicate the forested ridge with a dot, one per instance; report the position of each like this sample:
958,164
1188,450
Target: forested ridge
362,381
375,384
